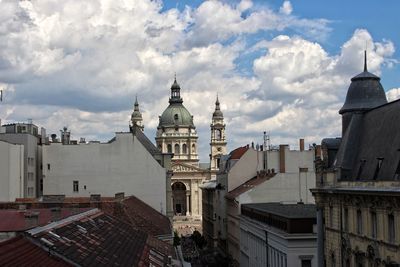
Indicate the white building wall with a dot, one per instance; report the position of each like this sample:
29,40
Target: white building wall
245,168
11,171
123,165
283,187
284,249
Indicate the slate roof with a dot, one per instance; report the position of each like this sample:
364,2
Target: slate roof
98,239
290,211
365,92
20,252
370,138
150,147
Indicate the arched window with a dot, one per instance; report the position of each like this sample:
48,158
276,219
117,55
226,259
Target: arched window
193,149
169,148
218,134
184,149
177,150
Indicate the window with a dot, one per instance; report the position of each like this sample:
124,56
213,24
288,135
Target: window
218,161
184,149
30,176
76,186
305,263
218,134
359,222
374,225
330,216
48,166
177,150
169,148
176,117
30,191
346,219
391,229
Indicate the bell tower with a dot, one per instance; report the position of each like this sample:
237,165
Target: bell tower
136,117
218,140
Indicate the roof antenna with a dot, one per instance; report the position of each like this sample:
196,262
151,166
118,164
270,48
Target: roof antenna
175,76
365,57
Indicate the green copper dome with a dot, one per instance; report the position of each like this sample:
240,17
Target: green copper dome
176,114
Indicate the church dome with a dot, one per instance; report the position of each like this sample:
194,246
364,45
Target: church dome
176,114
365,92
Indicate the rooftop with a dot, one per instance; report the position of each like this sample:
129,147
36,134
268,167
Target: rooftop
21,220
289,211
11,251
249,184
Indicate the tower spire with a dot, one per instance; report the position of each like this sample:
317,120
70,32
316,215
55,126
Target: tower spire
136,108
136,117
365,61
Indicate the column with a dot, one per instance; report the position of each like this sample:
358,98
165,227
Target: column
187,202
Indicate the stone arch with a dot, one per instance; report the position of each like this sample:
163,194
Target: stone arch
179,198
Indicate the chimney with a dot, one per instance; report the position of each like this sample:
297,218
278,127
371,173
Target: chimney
55,213
120,196
282,164
301,142
31,219
318,151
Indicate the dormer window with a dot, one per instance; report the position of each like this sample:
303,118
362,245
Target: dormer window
378,167
176,117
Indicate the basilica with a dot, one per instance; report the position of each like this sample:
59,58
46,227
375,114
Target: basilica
177,135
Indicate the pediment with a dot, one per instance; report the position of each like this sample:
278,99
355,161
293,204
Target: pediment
184,167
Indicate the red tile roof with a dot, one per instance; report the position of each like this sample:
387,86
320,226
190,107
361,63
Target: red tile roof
130,209
99,239
249,184
20,252
238,152
15,220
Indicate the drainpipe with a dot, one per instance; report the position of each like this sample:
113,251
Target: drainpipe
266,247
320,236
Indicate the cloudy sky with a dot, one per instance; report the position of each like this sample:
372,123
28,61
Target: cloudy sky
278,66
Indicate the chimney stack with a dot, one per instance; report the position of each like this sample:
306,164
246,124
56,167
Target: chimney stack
31,219
301,142
282,164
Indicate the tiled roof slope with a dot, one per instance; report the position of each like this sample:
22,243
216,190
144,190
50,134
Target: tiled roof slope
20,252
238,152
100,239
130,209
16,220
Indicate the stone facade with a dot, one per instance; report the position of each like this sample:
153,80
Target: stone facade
357,192
177,135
